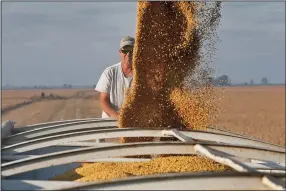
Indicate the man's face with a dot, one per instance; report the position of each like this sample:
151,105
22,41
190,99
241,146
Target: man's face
126,54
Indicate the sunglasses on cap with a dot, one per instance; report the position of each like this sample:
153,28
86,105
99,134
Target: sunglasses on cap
126,51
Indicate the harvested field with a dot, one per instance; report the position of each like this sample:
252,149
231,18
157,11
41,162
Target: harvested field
254,111
78,104
12,97
43,111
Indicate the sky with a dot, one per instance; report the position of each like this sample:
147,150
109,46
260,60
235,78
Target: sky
55,43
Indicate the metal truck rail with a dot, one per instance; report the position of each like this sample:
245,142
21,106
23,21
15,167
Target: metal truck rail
35,154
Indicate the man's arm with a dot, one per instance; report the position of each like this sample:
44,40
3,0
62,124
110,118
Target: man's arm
106,106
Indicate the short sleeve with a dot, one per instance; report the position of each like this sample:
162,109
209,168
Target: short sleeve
104,83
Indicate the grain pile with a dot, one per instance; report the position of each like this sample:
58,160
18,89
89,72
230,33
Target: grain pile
112,170
172,39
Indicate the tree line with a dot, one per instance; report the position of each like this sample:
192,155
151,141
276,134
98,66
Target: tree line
224,80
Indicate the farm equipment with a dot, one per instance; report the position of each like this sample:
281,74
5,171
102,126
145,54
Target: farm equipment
34,154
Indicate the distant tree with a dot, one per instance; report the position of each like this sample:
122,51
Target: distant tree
264,81
223,80
94,86
251,82
246,83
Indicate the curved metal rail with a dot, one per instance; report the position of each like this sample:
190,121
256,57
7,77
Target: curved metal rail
39,125
188,181
58,128
127,132
134,149
171,181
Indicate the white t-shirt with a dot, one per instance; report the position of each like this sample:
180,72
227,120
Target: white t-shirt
113,82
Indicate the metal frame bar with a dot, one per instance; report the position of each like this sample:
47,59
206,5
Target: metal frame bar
73,144
222,158
233,139
217,137
86,144
259,167
262,167
187,181
225,132
222,131
38,125
77,136
266,166
21,157
34,134
179,135
273,183
152,148
37,185
271,171
210,129
126,132
59,128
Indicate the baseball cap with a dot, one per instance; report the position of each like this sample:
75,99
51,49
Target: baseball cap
127,40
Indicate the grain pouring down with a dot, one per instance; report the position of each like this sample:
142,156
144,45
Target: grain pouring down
173,40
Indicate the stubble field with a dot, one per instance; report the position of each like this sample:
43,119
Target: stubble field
254,111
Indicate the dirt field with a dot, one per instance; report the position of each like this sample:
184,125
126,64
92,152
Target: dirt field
77,104
11,97
254,111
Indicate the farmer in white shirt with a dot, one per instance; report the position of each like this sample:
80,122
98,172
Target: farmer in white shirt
115,80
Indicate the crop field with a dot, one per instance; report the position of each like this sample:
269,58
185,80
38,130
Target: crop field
254,111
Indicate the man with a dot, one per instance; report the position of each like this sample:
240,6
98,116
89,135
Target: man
115,80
